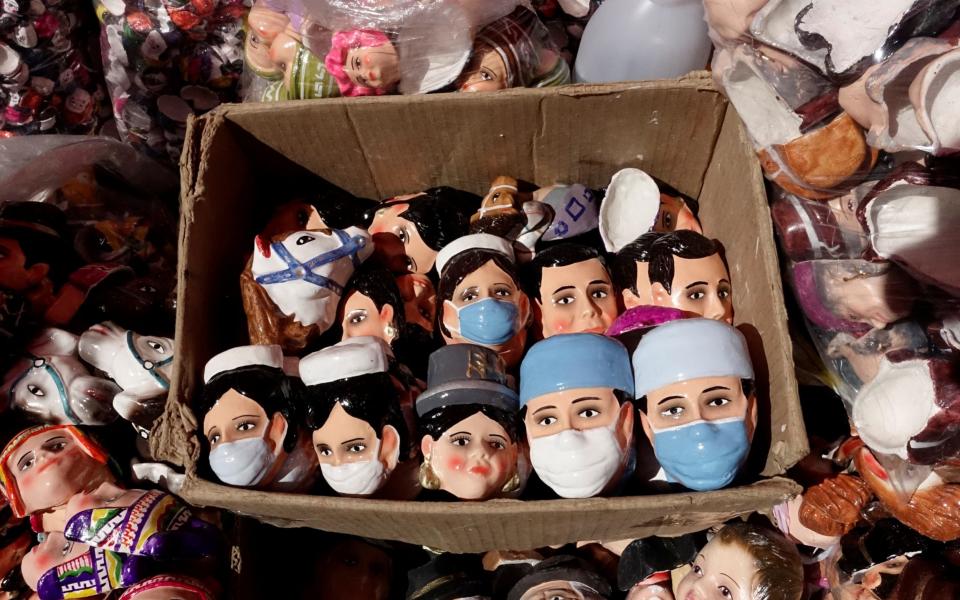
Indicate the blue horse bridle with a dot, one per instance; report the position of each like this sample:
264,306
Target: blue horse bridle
297,270
148,365
41,363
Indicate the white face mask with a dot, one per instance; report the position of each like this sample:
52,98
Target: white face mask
242,463
356,478
577,464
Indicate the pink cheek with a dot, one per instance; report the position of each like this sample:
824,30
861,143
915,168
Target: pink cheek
561,325
455,463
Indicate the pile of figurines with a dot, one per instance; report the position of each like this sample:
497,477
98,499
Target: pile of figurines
49,81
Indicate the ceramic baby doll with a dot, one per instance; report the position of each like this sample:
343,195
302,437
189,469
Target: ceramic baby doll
359,434
479,296
292,284
571,290
251,421
561,577
579,414
682,269
694,388
468,425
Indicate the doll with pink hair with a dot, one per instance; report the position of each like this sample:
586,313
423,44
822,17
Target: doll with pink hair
364,62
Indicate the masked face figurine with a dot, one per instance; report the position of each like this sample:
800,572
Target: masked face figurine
359,435
409,231
251,421
140,364
43,467
572,290
563,577
479,296
468,425
694,385
745,562
682,269
293,283
52,385
576,392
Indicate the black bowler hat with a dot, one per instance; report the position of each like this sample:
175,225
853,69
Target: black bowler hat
466,374
644,557
561,568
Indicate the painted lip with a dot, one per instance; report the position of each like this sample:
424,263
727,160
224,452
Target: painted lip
599,330
480,470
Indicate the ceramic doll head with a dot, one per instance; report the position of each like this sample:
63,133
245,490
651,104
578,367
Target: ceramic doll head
645,564
169,587
293,286
364,62
500,212
263,27
853,295
372,305
449,577
43,467
32,249
250,417
571,290
409,231
682,269
352,567
576,395
359,435
140,364
479,300
745,562
468,425
694,387
563,577
52,385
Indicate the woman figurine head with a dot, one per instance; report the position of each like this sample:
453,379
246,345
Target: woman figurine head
250,418
571,290
479,297
576,394
372,305
359,435
468,425
745,562
561,577
364,62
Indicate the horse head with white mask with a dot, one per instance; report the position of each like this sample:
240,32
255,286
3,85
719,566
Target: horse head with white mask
293,283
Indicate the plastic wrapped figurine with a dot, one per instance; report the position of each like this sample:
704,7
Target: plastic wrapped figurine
812,229
263,26
745,562
359,434
140,364
571,290
858,359
694,387
52,385
479,296
513,51
252,423
730,19
682,269
576,393
409,231
293,283
561,577
468,424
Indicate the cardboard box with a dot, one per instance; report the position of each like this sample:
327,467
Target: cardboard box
684,132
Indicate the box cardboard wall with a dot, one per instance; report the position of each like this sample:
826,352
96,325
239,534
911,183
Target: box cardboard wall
239,158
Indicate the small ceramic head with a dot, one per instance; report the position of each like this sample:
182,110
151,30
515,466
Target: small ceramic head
52,385
364,62
43,467
486,71
263,27
167,587
479,297
682,269
249,412
500,212
409,231
645,564
576,395
572,290
372,305
359,435
745,562
506,53
694,385
32,248
808,229
561,577
468,424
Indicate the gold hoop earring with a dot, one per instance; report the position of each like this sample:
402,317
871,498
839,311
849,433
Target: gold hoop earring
428,478
513,484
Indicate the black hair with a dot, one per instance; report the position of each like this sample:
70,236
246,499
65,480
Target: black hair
441,215
377,283
462,265
371,398
556,256
340,210
658,249
691,203
37,246
438,420
267,386
745,384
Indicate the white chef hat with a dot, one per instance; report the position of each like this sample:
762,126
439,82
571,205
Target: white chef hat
483,241
243,356
350,358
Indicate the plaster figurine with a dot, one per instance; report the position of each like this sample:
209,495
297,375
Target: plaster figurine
251,421
561,577
694,388
50,383
513,210
681,269
832,507
645,564
372,306
416,340
576,211
468,425
359,434
579,415
263,26
479,296
572,290
293,283
304,74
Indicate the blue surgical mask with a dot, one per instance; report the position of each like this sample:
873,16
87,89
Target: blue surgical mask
702,455
489,321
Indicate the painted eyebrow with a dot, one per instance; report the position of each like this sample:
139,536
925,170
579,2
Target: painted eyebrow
585,398
53,439
599,281
715,388
732,580
497,435
245,417
460,432
695,283
542,408
724,280
560,289
359,439
670,398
